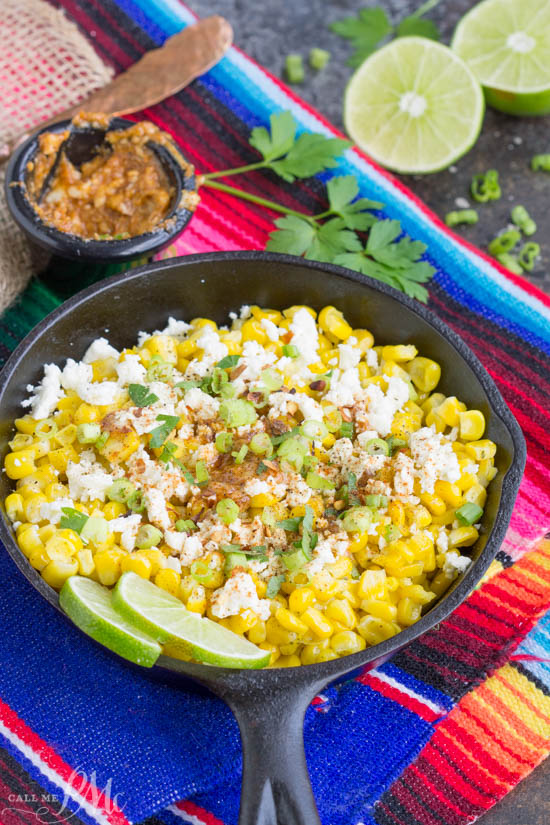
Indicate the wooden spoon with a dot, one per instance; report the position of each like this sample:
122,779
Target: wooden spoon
159,74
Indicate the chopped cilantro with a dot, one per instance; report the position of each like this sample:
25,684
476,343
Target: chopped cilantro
273,586
72,519
161,433
141,395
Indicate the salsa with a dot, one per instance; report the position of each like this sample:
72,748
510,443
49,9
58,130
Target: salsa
121,192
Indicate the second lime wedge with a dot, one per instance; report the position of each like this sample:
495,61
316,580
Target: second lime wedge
188,635
414,106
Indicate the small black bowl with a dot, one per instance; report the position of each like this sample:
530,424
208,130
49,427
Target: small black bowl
80,249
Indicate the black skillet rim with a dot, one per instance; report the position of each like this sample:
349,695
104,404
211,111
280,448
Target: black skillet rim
326,671
72,246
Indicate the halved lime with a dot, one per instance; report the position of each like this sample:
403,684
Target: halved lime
88,604
506,43
414,106
186,634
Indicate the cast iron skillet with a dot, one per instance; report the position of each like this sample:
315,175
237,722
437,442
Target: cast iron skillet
270,704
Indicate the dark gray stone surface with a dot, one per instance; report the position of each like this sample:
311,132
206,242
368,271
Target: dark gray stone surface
268,31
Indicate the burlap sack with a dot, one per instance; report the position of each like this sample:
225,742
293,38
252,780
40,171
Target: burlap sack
46,66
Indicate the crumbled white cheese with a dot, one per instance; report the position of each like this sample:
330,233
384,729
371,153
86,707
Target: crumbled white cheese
278,402
131,370
345,388
175,539
177,329
366,436
256,487
203,405
309,407
383,406
52,510
87,479
456,563
213,346
349,355
237,594
255,359
403,480
434,459
371,358
351,459
146,473
78,377
305,336
442,540
173,564
156,508
272,330
127,526
98,350
192,549
299,492
46,394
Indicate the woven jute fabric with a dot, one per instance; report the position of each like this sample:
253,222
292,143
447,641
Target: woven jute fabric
46,66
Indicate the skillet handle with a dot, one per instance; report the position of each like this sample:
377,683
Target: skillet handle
275,786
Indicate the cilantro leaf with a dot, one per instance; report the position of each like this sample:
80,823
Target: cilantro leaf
141,396
273,586
72,519
366,31
290,524
382,234
228,361
161,433
330,240
342,194
417,27
279,141
294,236
168,452
318,242
310,154
188,385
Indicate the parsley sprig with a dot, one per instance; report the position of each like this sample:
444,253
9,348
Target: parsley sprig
371,28
339,233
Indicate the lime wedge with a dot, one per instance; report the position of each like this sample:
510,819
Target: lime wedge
88,604
506,43
185,634
414,106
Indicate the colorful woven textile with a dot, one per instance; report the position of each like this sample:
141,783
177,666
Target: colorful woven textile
437,734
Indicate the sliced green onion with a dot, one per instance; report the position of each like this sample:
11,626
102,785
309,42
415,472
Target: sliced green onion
357,519
148,536
48,428
227,510
347,430
202,573
376,500
278,439
234,559
463,216
219,379
230,548
260,444
223,442
541,163
185,525
333,420
505,242
120,490
101,441
268,517
317,482
88,433
236,412
314,430
201,473
158,369
377,446
294,68
469,513
523,220
511,262
395,443
96,530
228,390
135,502
293,451
392,533
485,187
294,561
291,351
271,379
528,255
240,455
318,58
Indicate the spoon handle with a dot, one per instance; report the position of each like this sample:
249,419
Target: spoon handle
159,74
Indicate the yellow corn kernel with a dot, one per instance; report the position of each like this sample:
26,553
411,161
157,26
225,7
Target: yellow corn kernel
300,599
340,610
476,495
169,580
243,622
417,593
408,612
14,507
32,507
365,339
341,568
434,503
290,621
38,559
163,345
381,610
86,565
478,450
19,464
155,556
449,410
186,349
136,564
291,649
463,536
86,414
56,490
277,634
120,446
425,375
486,472
471,425
375,630
272,315
272,649
317,622
47,532
113,509
372,584
65,436
196,602
257,633
450,493
25,425
289,661
347,642
72,536
324,586
252,330
263,500
21,442
108,566
311,653
332,321
29,541
434,420
418,515
359,543
59,548
291,312
57,572
60,458
399,352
